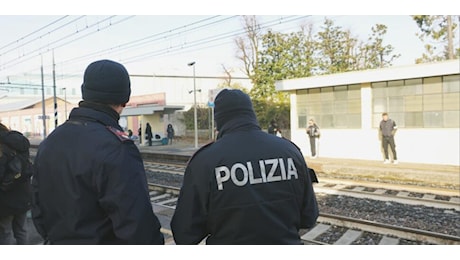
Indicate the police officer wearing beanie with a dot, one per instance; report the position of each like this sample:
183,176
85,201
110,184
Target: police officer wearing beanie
89,184
248,187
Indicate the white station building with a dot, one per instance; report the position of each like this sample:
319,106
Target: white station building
423,100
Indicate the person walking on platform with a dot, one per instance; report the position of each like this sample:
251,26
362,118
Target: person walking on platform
247,187
387,132
170,132
15,190
313,134
89,183
148,133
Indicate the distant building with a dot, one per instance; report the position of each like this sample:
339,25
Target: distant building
423,99
154,99
25,114
152,109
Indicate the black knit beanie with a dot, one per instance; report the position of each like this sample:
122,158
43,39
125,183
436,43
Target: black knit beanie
106,82
231,103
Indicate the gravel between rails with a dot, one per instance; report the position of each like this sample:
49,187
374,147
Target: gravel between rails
393,213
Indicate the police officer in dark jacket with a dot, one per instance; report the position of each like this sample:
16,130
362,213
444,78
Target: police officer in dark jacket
248,187
89,185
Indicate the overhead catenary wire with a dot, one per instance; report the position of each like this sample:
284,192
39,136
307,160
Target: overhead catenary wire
181,48
30,34
99,52
175,49
41,50
139,42
202,41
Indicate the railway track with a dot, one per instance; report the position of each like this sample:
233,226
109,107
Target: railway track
407,194
334,229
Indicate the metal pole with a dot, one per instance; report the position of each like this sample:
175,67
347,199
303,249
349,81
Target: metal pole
43,102
54,92
65,102
212,123
194,104
194,108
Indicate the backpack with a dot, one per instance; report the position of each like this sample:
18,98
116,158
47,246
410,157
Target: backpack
18,167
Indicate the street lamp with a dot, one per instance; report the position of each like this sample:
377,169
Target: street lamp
194,104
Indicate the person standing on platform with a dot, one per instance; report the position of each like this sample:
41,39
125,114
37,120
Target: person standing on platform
15,190
139,133
313,135
247,187
170,132
89,183
387,132
273,128
148,133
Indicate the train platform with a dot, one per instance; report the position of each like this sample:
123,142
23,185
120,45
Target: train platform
434,175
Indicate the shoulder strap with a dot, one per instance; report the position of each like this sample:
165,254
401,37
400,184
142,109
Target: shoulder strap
122,136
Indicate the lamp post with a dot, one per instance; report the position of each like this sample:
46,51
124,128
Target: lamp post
194,104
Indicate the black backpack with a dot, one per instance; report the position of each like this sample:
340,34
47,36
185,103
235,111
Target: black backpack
18,167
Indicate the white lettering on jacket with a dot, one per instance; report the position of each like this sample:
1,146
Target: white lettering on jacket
271,170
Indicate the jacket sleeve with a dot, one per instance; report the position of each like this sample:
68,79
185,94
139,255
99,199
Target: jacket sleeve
189,221
123,194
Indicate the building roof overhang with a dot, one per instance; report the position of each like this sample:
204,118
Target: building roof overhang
149,110
375,75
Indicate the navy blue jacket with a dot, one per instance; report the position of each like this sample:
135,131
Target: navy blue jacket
248,187
90,187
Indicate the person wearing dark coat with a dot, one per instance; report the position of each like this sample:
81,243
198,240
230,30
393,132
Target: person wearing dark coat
148,133
89,184
273,128
247,187
170,132
16,197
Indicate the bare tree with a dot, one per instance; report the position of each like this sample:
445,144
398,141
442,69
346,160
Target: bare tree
248,46
228,79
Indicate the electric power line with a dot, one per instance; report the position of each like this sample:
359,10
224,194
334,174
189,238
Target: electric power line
178,48
29,34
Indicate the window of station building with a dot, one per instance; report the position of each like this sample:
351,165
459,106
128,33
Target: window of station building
418,103
330,107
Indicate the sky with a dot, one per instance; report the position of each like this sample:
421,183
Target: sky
150,41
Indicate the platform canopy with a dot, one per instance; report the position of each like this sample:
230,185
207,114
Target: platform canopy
149,110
